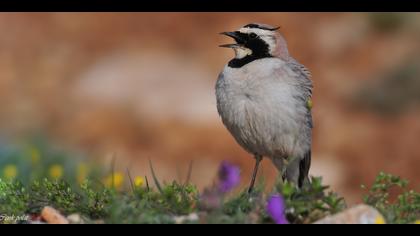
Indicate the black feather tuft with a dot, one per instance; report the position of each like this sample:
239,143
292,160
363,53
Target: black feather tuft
261,27
304,166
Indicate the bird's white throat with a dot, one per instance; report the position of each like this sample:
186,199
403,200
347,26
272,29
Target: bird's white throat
241,52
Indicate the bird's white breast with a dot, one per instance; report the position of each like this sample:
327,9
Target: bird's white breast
258,105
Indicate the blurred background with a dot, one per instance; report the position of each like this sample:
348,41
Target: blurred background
140,86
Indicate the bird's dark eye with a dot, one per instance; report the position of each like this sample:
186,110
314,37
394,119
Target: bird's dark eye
252,35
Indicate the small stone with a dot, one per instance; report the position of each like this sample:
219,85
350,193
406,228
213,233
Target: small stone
360,214
100,222
75,219
183,219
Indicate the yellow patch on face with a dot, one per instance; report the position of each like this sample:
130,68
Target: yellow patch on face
241,52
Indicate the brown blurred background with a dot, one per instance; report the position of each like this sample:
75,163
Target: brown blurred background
141,85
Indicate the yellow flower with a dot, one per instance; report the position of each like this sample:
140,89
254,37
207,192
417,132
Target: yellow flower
56,171
82,172
35,155
417,222
10,172
114,180
379,220
139,181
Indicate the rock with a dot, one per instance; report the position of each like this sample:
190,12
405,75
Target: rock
75,219
100,222
360,214
52,216
183,219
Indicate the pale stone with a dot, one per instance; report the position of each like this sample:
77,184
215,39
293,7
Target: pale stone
75,219
182,219
360,214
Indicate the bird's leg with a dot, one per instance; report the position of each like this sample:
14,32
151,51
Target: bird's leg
258,159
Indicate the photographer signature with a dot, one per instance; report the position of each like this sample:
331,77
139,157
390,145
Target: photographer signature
13,218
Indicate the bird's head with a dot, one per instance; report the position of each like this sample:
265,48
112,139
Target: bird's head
257,40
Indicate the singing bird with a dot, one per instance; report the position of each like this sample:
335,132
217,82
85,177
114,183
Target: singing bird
264,100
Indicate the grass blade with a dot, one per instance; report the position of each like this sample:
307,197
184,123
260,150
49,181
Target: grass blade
113,170
131,180
147,184
159,187
187,180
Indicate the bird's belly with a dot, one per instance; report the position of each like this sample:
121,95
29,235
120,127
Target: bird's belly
266,127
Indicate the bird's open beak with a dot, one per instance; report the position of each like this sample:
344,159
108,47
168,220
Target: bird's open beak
229,45
236,36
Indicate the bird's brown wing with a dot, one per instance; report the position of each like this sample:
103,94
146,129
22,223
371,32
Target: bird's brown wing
304,78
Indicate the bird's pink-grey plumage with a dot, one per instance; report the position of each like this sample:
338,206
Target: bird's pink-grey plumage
262,97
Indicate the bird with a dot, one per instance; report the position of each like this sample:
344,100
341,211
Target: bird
264,99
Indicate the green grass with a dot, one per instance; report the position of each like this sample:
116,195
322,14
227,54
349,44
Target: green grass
142,205
406,206
35,176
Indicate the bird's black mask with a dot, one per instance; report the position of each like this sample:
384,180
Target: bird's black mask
260,49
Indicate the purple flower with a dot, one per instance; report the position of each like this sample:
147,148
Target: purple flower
276,209
229,177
